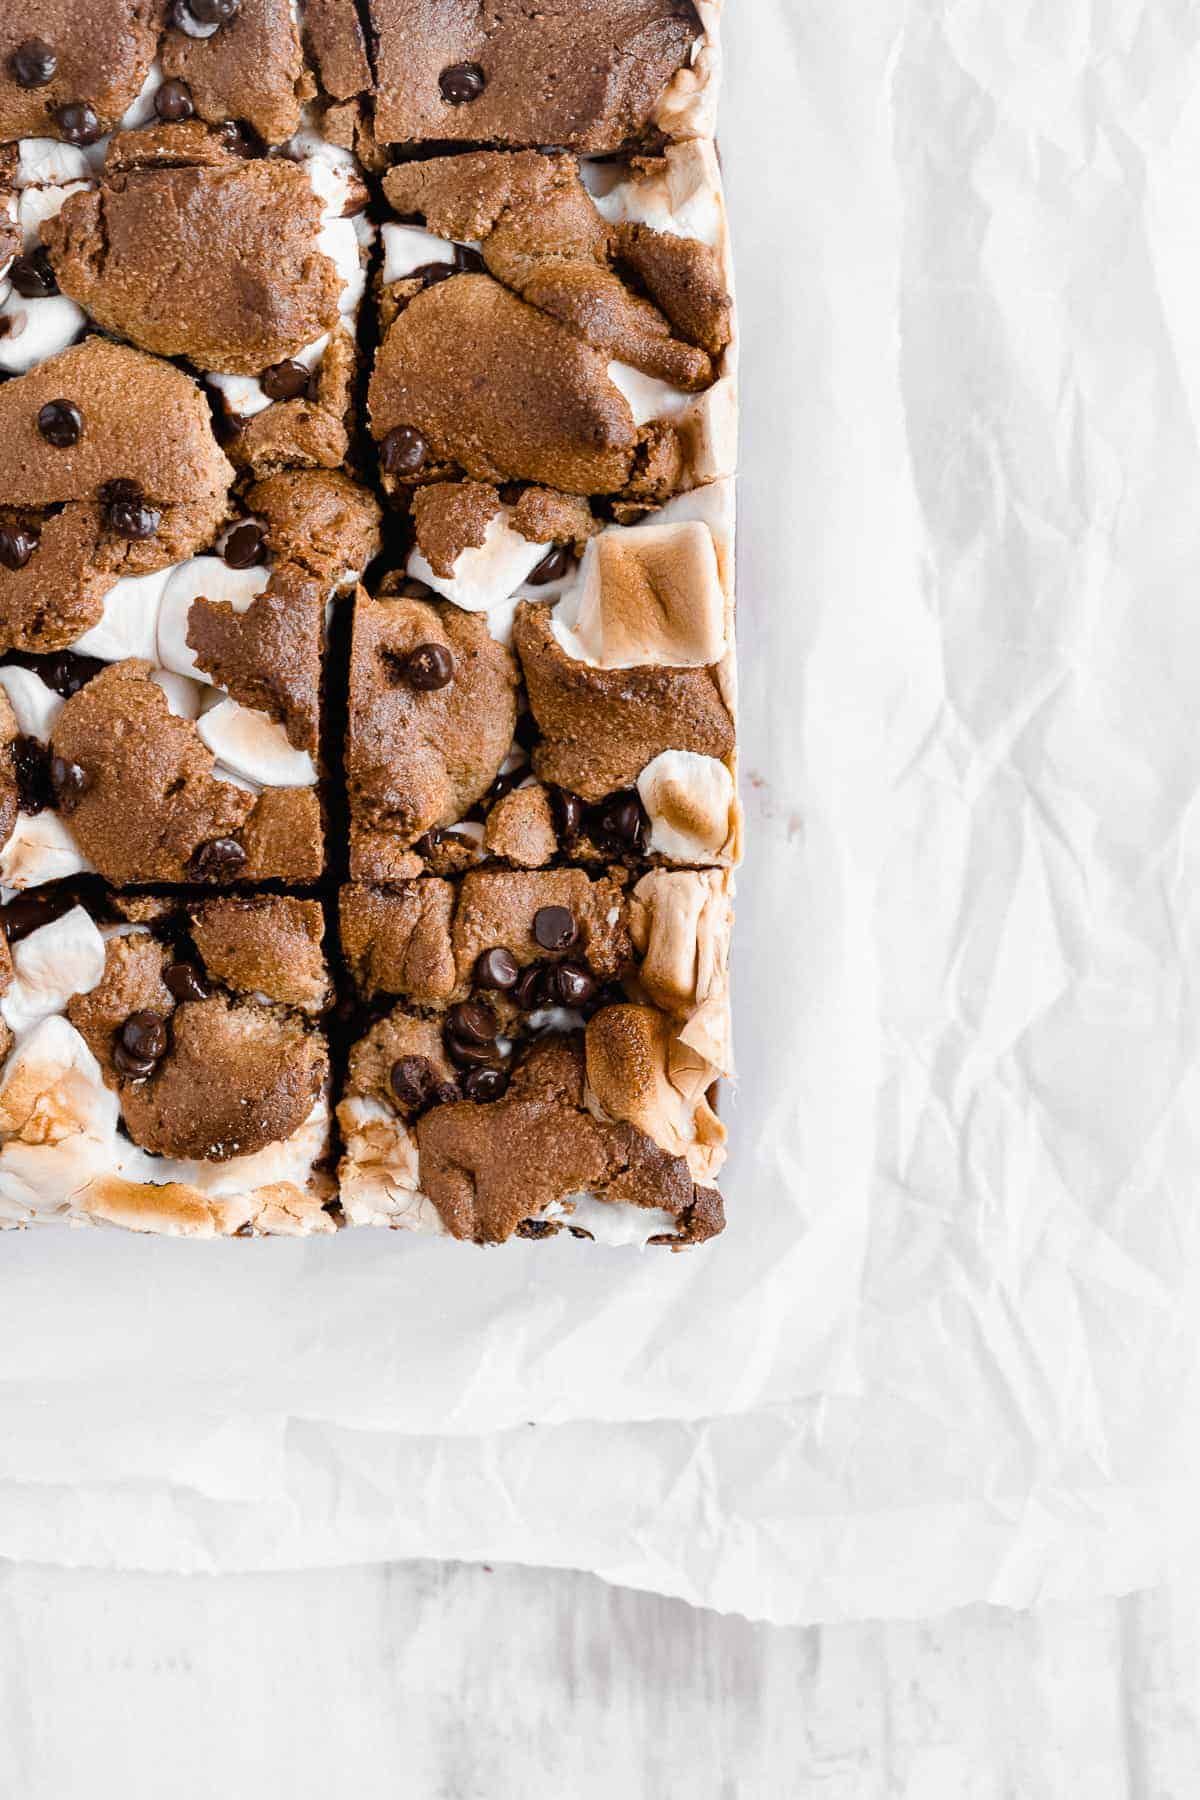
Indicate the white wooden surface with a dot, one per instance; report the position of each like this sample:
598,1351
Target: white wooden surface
431,1682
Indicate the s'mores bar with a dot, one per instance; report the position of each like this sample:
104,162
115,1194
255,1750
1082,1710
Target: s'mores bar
592,75
368,744
162,632
543,1054
162,1065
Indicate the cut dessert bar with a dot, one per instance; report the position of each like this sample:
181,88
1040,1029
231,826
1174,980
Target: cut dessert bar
162,1065
591,75
605,730
163,632
558,323
548,1057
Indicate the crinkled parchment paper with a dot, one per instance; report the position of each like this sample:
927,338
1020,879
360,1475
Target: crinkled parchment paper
969,246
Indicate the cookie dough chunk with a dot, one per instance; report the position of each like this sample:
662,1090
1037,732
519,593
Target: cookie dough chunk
501,390
108,467
250,69
318,521
220,265
141,799
268,657
510,74
268,946
432,714
73,65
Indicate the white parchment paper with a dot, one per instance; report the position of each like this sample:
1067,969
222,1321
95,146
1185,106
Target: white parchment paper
969,249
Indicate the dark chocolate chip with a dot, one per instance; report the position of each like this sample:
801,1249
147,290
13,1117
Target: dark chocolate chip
136,1068
429,844
429,274
28,912
70,783
621,822
462,83
554,927
497,969
552,567
217,859
126,512
403,451
245,546
17,545
466,1054
185,981
284,381
473,1021
572,985
144,1036
66,671
482,1085
413,1080
33,63
174,102
568,812
78,122
60,423
469,259
445,1094
428,667
33,275
31,762
531,991
240,138
536,1228
187,14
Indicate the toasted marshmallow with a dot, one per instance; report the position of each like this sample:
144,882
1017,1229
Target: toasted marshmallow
58,960
208,577
35,704
129,623
378,1179
690,801
51,1089
488,574
253,746
646,595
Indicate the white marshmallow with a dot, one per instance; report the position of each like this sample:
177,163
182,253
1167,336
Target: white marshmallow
185,698
648,397
615,1223
129,623
212,578
40,849
39,329
556,1018
42,160
37,204
409,247
36,705
486,575
681,781
681,205
253,746
58,960
141,111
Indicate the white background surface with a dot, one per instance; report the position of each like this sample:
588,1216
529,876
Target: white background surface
440,1682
